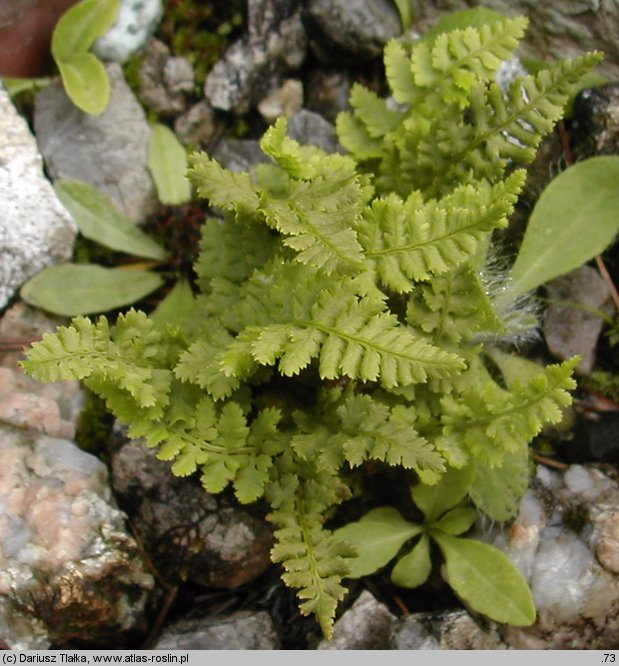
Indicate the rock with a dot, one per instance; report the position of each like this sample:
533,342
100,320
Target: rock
68,568
447,630
239,631
564,541
239,154
359,27
35,229
49,408
285,100
571,330
109,151
366,625
190,534
164,81
592,440
137,21
595,125
557,29
276,43
312,129
327,92
197,125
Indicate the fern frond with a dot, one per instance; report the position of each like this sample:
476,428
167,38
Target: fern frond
446,69
231,251
195,434
350,335
501,129
371,430
200,363
373,112
128,354
230,191
314,562
452,309
413,240
491,421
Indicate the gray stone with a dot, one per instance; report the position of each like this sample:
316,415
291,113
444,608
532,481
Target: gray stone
136,22
447,630
360,27
285,100
595,126
109,151
275,44
572,330
564,540
366,625
239,154
197,125
312,129
239,631
557,28
327,92
35,229
164,80
68,568
190,534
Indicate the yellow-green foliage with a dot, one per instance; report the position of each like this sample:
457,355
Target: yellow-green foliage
342,316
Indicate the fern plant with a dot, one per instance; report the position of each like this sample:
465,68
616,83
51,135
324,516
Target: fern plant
344,315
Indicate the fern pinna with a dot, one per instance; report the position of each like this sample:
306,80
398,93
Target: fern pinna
342,316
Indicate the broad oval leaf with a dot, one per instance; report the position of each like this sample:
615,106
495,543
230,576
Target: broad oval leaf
378,537
434,500
457,520
487,580
98,219
575,218
167,162
79,289
86,82
81,25
413,569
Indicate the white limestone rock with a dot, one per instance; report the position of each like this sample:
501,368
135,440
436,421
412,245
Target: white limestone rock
35,229
137,21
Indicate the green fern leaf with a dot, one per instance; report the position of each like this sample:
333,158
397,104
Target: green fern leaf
128,353
491,421
313,560
231,251
446,68
372,431
233,192
413,240
351,336
355,137
453,309
373,112
497,490
200,363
